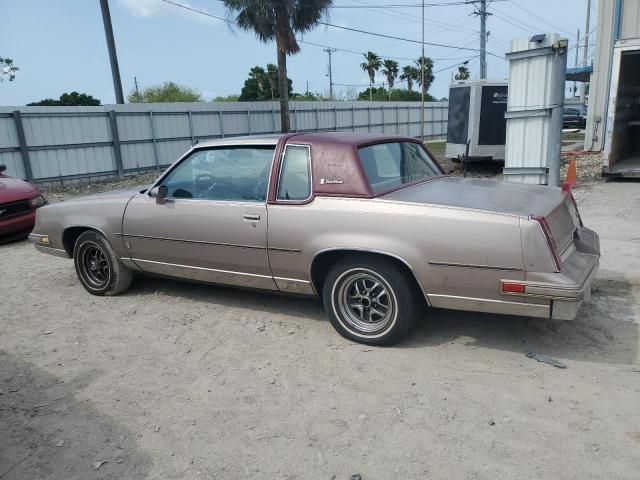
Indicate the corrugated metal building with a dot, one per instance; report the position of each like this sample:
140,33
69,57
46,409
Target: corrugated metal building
614,97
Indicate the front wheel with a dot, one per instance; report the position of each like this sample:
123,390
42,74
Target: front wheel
98,267
371,300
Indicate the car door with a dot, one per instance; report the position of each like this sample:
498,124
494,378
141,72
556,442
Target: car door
212,224
571,116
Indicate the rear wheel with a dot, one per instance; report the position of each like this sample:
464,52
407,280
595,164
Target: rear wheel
371,300
98,267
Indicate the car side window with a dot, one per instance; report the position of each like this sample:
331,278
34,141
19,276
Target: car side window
233,173
295,174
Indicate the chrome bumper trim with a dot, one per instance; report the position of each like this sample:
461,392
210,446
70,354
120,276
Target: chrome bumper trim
567,293
490,306
58,252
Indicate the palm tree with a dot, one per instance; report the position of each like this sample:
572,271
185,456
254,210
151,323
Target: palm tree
272,73
390,70
371,66
410,74
279,20
428,73
463,73
260,76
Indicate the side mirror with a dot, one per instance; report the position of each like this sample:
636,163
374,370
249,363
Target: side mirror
2,168
161,195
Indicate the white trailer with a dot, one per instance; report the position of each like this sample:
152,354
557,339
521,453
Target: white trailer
621,155
476,127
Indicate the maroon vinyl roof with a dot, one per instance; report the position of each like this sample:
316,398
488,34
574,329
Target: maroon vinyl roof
336,167
356,139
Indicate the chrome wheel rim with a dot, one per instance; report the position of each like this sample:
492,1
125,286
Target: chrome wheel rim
95,267
365,301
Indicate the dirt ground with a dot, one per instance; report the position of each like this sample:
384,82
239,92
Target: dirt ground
180,381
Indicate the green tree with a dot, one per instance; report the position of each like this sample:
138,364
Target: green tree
428,73
410,74
262,84
73,99
463,73
390,70
279,20
371,66
226,98
7,69
395,95
167,92
306,97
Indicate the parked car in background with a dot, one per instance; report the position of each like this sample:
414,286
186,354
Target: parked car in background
369,223
574,117
18,203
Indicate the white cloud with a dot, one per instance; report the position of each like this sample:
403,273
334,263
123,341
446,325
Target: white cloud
157,8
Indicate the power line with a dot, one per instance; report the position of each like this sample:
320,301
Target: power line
201,12
410,40
412,18
541,19
354,52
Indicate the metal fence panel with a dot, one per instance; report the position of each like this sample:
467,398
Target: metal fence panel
13,162
63,144
8,134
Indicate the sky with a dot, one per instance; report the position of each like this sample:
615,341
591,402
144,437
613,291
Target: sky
59,45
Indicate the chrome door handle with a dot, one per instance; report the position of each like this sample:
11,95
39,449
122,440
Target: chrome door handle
251,216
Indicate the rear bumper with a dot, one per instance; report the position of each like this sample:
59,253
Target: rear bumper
565,291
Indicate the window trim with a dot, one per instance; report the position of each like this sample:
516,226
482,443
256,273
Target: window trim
281,169
405,185
195,149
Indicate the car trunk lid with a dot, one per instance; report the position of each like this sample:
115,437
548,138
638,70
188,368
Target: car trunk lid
556,206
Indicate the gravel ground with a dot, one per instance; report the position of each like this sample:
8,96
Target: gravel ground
179,381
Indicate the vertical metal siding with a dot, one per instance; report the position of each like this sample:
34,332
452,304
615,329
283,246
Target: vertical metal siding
630,25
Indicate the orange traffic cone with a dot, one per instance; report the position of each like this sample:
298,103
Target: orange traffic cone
572,176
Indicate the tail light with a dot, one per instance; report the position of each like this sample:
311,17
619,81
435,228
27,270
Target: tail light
513,287
575,206
546,230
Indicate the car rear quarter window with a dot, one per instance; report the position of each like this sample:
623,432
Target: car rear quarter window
391,165
295,176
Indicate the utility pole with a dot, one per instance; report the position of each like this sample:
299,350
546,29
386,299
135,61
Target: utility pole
422,80
483,14
573,92
585,51
135,81
330,51
111,45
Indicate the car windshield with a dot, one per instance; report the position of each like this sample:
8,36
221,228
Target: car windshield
391,165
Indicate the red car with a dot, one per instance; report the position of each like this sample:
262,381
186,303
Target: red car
18,203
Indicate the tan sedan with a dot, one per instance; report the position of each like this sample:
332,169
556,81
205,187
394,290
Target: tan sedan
370,223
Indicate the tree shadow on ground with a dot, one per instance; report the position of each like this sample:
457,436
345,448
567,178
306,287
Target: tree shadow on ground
606,330
48,432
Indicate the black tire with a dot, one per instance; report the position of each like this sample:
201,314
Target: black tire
99,270
350,283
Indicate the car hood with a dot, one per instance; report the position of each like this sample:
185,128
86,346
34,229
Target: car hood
489,195
123,194
14,189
